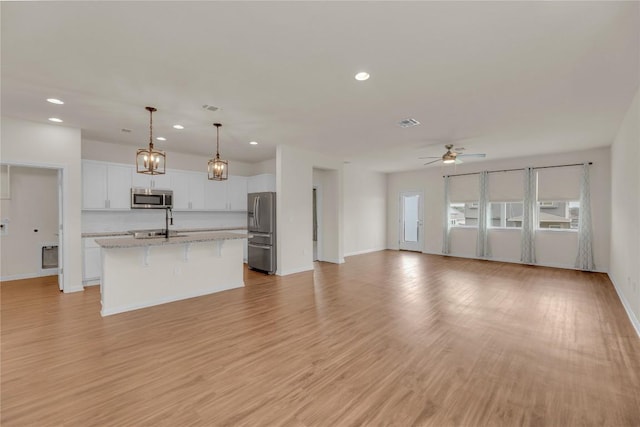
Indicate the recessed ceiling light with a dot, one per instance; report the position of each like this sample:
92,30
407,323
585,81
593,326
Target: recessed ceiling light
178,127
254,143
125,130
55,101
55,119
161,138
362,76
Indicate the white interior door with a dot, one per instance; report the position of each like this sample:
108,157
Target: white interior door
411,221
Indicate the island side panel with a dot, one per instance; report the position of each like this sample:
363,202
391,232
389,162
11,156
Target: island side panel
138,277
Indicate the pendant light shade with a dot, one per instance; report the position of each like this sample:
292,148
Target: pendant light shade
218,169
149,160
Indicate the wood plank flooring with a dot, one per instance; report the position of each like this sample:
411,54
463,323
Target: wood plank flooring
389,338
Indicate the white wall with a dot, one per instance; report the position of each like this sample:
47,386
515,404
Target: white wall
294,184
365,210
557,249
120,153
33,206
35,144
625,212
266,166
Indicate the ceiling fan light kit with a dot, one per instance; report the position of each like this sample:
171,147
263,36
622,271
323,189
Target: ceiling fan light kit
451,156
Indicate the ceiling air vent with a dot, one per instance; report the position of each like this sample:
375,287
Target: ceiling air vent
210,107
407,123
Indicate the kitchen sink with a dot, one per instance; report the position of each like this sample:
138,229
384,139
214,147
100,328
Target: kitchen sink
153,234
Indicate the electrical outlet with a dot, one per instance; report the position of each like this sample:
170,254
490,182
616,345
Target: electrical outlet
177,271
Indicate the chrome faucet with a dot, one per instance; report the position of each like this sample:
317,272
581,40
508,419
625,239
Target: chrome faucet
168,216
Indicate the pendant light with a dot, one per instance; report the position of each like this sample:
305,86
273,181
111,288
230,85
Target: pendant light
217,168
148,160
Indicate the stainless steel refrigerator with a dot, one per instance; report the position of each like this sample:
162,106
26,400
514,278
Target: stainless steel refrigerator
261,224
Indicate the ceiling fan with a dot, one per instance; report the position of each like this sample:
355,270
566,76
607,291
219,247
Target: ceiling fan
452,155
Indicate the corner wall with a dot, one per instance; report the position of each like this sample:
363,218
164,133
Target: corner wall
294,187
365,210
625,212
34,144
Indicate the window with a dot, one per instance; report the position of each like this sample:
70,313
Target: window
506,214
558,215
463,214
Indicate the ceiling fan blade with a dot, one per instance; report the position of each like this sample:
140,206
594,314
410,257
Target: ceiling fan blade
472,155
431,157
434,161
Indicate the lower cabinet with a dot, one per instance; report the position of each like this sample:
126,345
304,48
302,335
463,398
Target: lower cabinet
91,262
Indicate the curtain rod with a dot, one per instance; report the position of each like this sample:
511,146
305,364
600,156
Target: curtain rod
518,169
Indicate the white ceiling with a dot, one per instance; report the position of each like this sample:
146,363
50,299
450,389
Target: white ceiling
504,78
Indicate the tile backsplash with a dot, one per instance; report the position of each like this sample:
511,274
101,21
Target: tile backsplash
103,221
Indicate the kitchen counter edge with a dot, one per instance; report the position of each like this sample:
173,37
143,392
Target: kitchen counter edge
130,242
179,230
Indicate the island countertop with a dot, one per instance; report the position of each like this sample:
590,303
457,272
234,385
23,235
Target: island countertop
179,230
130,242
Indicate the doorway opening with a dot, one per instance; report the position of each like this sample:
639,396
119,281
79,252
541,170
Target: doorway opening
411,218
31,220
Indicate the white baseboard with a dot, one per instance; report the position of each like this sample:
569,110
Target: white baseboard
333,260
627,307
294,271
513,261
159,301
92,282
74,289
43,273
366,251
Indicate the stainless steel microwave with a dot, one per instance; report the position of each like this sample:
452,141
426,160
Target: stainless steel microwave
150,198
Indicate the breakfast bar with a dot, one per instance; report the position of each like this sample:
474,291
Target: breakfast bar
138,273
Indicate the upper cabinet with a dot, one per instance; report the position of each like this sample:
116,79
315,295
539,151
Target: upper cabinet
261,183
237,193
106,185
188,190
215,195
151,181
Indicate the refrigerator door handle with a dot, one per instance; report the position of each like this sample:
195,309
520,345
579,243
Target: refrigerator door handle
257,211
253,245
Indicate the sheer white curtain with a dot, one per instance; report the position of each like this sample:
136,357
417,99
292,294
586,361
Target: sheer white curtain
445,220
584,261
482,244
528,244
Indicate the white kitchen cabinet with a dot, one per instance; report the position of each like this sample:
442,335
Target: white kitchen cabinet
188,190
152,181
261,183
215,195
91,262
237,193
105,185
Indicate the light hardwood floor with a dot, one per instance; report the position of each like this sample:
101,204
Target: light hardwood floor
389,338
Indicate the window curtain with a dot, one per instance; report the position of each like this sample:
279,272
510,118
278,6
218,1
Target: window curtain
482,243
446,239
584,260
528,246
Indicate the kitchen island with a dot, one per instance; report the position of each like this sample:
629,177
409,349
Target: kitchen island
138,273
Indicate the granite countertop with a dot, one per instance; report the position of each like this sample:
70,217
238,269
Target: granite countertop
130,242
179,230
